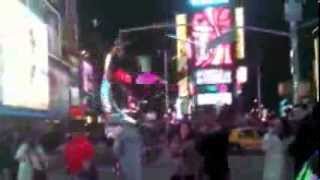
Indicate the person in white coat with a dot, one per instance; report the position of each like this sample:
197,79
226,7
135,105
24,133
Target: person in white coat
275,145
32,161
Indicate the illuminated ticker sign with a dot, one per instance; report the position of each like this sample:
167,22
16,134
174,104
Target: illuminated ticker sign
199,3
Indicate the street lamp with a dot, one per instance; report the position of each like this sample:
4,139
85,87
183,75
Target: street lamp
293,13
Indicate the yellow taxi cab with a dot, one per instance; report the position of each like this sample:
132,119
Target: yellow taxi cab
245,139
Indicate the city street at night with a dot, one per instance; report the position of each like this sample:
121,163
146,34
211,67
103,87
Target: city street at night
159,90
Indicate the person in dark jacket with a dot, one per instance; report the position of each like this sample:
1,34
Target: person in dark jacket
307,139
213,146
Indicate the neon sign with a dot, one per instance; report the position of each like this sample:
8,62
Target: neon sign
213,76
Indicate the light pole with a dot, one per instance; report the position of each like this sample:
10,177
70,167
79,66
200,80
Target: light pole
166,77
293,14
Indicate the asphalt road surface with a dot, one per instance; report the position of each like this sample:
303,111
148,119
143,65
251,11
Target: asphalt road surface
243,167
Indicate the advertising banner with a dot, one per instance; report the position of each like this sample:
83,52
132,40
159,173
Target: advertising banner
23,58
207,26
213,76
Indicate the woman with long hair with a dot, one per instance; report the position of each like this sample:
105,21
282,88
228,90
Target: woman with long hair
183,151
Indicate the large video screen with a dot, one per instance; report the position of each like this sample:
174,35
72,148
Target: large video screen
23,58
207,25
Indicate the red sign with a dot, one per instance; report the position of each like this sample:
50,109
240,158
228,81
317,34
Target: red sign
77,112
122,76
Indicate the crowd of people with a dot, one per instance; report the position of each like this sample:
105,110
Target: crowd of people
198,147
197,150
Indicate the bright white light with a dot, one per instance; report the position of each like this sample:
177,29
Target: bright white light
75,96
208,2
219,99
24,57
213,76
89,119
239,21
242,74
83,52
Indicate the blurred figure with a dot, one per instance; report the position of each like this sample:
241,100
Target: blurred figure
128,148
183,150
79,155
307,139
32,159
275,144
7,163
213,146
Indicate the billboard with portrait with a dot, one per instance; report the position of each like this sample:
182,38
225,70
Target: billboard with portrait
207,26
23,58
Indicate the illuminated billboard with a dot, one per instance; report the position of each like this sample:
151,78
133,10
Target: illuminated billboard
23,58
207,26
213,76
182,58
240,33
242,74
219,99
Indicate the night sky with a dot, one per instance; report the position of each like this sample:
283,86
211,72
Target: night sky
269,51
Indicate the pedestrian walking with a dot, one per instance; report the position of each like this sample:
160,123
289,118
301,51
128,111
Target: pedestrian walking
79,157
32,159
128,149
275,144
186,159
307,139
213,147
